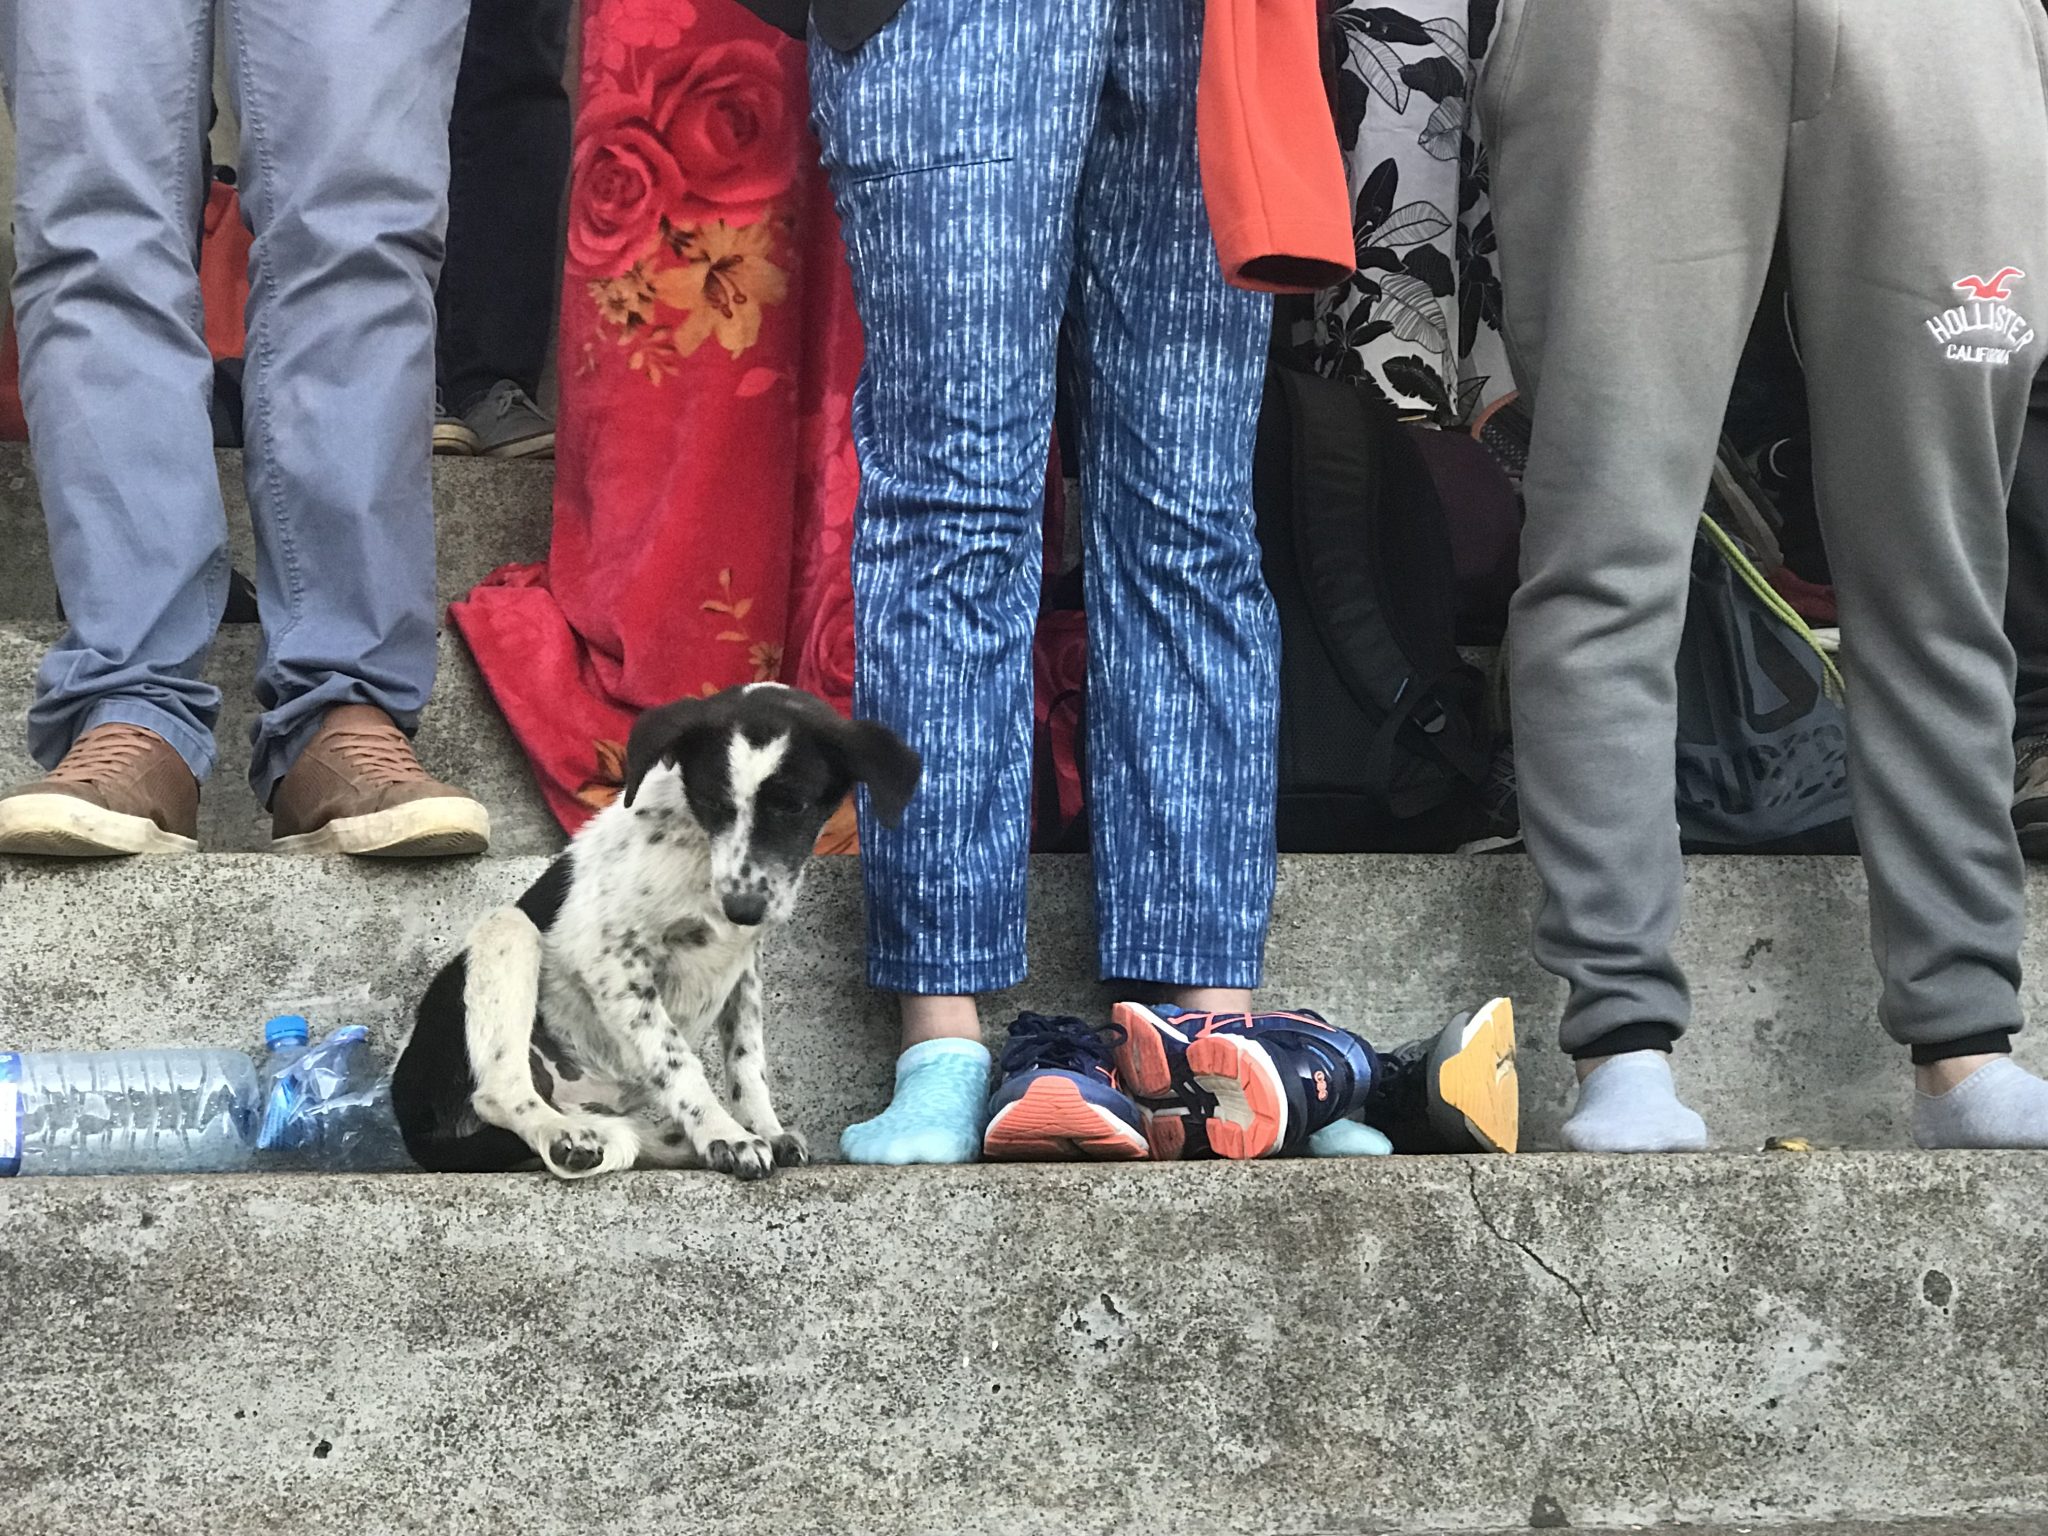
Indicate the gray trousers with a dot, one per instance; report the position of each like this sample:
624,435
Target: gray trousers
1644,153
344,174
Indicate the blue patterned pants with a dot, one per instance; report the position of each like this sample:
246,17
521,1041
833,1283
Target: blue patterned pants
997,166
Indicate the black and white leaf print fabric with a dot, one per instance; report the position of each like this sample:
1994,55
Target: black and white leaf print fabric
1420,319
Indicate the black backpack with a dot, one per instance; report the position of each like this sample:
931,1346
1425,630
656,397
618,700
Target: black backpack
1763,743
1382,745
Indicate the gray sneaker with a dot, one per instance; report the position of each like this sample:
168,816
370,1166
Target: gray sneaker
2030,795
452,436
508,425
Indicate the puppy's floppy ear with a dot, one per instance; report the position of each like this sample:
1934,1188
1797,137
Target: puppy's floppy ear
877,757
657,736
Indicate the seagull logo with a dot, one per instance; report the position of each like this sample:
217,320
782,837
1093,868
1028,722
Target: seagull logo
1989,289
1983,328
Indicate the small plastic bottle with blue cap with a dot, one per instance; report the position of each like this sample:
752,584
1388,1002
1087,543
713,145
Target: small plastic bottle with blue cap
285,1040
325,1106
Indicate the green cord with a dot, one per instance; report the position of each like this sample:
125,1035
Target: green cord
1770,597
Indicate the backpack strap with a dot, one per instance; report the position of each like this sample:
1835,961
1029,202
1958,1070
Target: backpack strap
1340,452
1422,708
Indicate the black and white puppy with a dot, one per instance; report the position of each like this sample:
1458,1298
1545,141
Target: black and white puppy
575,1023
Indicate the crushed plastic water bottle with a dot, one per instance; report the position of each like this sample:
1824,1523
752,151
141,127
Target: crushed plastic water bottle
153,1111
325,1107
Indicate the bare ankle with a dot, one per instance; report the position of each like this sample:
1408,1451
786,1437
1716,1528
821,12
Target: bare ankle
1938,1077
938,1018
1208,999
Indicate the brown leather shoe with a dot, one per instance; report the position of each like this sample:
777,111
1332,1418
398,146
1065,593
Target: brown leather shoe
120,790
357,788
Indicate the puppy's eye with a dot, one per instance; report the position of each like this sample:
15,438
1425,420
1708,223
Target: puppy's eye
779,802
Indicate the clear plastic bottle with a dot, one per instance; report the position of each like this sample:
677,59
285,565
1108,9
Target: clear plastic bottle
325,1107
285,1040
153,1111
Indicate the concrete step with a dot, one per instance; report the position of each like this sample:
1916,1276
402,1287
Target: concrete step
1967,1525
1458,1346
200,949
462,739
487,512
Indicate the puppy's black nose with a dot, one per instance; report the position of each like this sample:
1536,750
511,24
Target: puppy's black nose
746,910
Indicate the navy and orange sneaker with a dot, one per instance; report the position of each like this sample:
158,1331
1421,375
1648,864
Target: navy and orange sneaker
1057,1098
1238,1085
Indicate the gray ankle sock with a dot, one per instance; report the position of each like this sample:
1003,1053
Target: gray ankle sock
1629,1104
2001,1104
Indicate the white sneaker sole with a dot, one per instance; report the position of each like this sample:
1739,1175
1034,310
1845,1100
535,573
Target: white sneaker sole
1480,845
539,446
444,828
63,827
454,440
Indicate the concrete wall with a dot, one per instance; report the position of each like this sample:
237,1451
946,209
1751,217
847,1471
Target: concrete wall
1418,1344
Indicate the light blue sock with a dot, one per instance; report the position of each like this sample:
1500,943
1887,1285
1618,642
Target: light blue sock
1348,1138
1629,1104
937,1114
2000,1105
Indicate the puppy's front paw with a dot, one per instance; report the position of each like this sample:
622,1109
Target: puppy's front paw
746,1159
584,1151
791,1150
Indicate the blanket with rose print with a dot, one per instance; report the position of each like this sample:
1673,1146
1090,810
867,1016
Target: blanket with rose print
705,475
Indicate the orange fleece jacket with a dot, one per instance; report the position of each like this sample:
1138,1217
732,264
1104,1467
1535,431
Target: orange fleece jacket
1271,169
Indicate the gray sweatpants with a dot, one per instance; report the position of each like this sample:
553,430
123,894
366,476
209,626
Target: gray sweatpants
1644,151
344,173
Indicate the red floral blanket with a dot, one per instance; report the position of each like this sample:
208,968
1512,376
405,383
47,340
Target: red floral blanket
705,473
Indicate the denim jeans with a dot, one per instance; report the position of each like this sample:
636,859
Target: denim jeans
344,173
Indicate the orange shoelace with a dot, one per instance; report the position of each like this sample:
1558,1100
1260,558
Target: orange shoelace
104,753
381,755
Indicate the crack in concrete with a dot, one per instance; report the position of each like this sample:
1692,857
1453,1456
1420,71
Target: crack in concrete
1651,1450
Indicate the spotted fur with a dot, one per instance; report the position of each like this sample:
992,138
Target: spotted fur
576,1022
